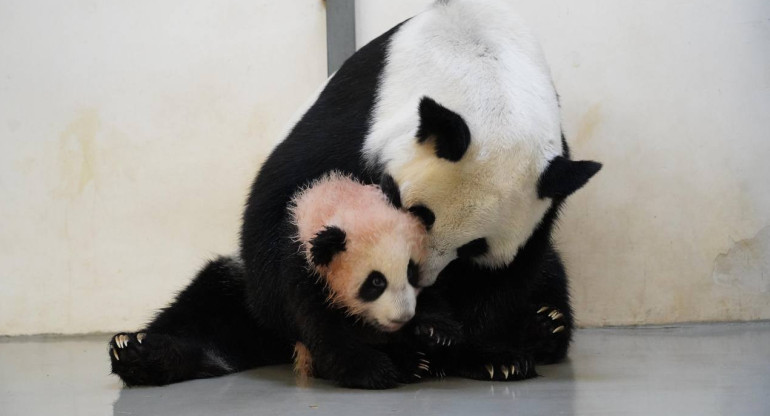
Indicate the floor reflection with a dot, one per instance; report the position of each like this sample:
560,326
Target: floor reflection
273,390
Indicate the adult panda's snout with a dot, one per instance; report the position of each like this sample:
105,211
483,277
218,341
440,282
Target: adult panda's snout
432,267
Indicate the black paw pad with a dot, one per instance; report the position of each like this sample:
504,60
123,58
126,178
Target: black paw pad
132,358
422,368
551,320
126,346
501,367
553,331
439,333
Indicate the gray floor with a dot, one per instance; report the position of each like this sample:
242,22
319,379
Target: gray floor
690,370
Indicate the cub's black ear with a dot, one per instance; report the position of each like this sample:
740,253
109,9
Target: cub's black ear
562,177
326,244
448,129
389,187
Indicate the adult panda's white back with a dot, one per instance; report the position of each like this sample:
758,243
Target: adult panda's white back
477,59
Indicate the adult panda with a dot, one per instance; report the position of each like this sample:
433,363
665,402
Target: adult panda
457,105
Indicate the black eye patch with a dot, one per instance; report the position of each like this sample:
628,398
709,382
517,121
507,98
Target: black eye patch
424,214
372,287
475,248
412,273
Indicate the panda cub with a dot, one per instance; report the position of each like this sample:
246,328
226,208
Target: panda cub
347,289
365,254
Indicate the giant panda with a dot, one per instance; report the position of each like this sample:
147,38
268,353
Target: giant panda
458,106
348,285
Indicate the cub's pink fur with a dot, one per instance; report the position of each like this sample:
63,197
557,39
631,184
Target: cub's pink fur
377,234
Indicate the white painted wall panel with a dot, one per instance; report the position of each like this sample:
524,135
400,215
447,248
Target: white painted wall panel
129,135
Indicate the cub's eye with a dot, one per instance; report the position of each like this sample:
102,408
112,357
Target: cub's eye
475,248
372,287
424,214
377,280
412,273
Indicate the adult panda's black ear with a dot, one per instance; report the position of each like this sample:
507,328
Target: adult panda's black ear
326,244
445,127
390,188
562,177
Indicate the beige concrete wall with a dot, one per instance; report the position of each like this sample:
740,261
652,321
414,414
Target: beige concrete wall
674,98
129,135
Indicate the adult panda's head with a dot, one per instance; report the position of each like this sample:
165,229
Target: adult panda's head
480,203
467,121
364,246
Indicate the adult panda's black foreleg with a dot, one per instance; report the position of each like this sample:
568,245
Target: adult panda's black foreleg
552,322
206,332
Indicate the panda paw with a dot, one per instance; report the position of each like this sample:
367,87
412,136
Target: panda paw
126,346
419,369
551,320
140,360
439,332
500,367
553,332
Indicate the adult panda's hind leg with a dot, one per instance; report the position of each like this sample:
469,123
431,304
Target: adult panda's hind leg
142,359
207,331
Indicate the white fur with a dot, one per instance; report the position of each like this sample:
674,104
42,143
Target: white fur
390,255
476,58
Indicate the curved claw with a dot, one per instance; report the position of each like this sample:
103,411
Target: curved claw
504,369
513,369
490,370
558,329
543,309
115,353
140,337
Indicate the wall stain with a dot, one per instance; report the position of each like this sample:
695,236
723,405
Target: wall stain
588,124
77,153
746,265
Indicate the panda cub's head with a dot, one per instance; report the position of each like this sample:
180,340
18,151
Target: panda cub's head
365,248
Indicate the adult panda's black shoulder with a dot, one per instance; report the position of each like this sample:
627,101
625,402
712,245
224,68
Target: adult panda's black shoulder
328,137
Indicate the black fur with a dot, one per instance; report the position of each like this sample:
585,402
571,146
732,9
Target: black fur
326,244
424,214
390,189
473,249
448,129
562,177
207,331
